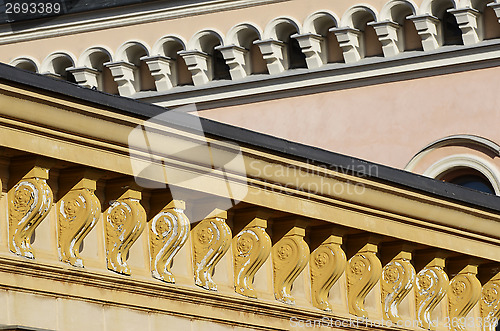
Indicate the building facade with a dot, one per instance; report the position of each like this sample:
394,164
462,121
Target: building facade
260,212
347,77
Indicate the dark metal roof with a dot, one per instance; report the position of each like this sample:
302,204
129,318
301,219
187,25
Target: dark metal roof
23,13
256,140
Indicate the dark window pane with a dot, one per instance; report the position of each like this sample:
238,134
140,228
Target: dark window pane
474,182
451,31
295,55
221,69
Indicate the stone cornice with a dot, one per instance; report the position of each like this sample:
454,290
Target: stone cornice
153,296
98,138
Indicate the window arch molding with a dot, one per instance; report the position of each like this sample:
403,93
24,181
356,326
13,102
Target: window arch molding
48,63
357,15
174,41
278,27
433,7
123,53
318,19
25,61
205,40
393,10
459,139
239,33
85,59
458,161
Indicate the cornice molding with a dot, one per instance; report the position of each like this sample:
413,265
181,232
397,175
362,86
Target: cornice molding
132,293
69,131
331,77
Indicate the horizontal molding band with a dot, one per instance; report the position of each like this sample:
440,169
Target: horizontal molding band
331,77
151,296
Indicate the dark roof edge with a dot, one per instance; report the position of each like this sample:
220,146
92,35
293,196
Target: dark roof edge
261,141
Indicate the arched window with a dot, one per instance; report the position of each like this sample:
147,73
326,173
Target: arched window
372,44
183,75
359,17
95,58
257,63
25,64
132,53
56,65
452,34
491,26
398,11
244,35
296,57
282,29
221,69
320,23
412,41
469,178
170,46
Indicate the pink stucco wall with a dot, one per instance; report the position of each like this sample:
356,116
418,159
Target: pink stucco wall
385,123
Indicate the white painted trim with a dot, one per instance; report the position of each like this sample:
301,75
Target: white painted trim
157,48
308,26
148,16
47,62
20,59
194,43
232,34
466,161
271,32
426,7
386,13
121,51
347,19
450,140
84,61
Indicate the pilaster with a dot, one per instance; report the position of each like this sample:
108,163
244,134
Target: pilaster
273,52
290,256
251,248
237,59
161,70
124,74
86,77
463,294
199,66
398,277
168,231
431,286
29,202
327,264
211,240
389,33
467,19
312,46
427,27
350,40
125,220
78,212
